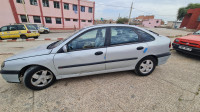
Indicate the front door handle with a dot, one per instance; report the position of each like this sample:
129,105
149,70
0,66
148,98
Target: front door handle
99,53
140,48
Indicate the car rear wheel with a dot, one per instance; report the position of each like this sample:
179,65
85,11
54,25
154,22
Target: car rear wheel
35,37
23,37
45,31
145,66
38,78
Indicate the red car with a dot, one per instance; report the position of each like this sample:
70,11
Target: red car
188,44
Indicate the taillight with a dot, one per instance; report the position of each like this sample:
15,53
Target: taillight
170,45
28,31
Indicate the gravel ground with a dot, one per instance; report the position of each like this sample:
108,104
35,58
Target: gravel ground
173,87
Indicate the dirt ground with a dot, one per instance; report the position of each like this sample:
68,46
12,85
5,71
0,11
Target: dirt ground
172,87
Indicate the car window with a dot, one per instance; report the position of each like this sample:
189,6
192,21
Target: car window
5,28
145,36
91,39
121,35
21,27
30,27
12,28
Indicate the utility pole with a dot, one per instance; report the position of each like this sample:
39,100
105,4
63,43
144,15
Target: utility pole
129,20
25,11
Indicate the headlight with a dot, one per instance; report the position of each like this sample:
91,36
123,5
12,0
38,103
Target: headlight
3,64
176,40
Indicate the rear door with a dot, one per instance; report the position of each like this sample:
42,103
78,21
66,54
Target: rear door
125,49
14,33
5,33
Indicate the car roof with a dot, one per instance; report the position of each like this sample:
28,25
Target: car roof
110,25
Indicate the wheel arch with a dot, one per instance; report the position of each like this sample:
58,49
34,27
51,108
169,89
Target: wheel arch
23,70
155,57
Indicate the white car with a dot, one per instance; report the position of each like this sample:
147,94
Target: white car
93,50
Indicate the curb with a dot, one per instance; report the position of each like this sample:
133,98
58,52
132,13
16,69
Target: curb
23,40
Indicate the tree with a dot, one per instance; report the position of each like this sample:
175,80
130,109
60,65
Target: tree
183,10
122,20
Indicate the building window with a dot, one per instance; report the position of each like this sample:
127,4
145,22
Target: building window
58,21
48,20
36,19
74,7
45,3
67,19
157,21
33,2
66,6
82,20
75,20
89,21
198,18
23,18
82,9
90,10
56,4
20,1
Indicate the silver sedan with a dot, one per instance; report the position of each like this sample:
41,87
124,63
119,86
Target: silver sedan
93,50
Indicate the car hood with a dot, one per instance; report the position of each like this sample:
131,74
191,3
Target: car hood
37,51
191,38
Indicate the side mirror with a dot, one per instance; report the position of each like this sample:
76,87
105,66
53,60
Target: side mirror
65,48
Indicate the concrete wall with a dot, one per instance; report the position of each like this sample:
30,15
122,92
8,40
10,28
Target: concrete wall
152,23
6,15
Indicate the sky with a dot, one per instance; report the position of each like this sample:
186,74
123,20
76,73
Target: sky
162,9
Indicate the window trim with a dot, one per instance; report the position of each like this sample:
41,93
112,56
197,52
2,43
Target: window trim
105,44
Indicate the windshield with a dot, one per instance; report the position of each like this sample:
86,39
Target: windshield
30,27
197,33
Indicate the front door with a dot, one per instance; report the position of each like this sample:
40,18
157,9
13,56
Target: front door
86,53
125,48
5,33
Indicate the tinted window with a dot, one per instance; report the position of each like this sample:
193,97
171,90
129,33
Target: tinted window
145,36
91,39
12,28
31,27
21,27
56,4
23,18
82,9
36,19
5,28
66,6
33,2
48,20
74,7
58,20
45,3
121,35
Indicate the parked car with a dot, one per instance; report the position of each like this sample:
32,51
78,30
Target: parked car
189,44
41,28
18,31
92,50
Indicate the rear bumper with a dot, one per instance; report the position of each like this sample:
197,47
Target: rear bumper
162,58
10,76
195,51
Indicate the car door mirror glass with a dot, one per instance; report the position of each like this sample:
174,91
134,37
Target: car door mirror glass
65,48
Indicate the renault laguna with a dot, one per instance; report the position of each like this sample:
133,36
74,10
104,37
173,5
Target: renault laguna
93,50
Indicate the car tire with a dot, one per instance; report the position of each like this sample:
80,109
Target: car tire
38,78
45,32
14,39
145,66
35,37
1,38
23,37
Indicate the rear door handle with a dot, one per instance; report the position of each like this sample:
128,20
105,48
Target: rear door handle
99,53
140,48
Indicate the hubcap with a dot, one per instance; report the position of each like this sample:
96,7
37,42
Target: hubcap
42,78
146,66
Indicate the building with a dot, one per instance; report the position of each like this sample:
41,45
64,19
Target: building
174,24
55,14
152,23
192,19
138,20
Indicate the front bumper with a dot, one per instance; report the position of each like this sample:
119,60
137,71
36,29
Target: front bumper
195,51
10,76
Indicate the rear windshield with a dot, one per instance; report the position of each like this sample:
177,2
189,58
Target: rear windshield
31,27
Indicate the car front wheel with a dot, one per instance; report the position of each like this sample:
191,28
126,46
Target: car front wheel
38,78
145,66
